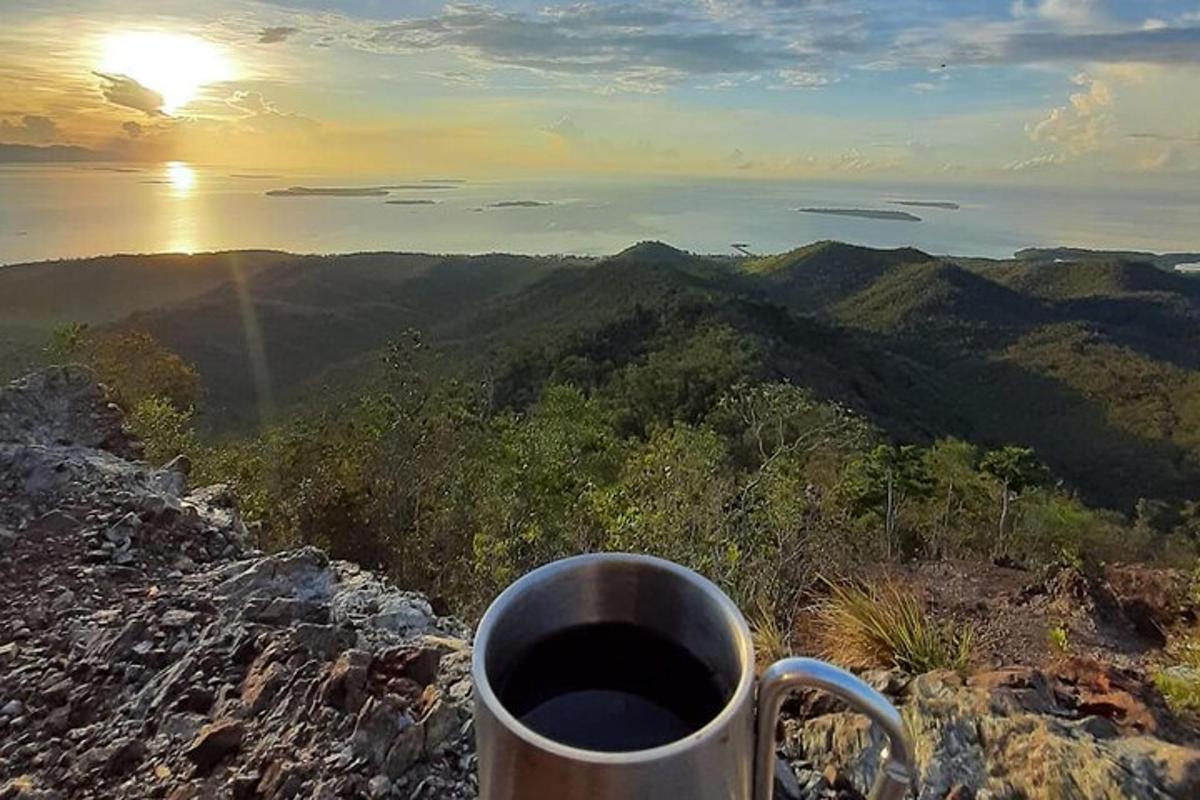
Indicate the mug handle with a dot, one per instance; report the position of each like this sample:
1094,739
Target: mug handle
895,773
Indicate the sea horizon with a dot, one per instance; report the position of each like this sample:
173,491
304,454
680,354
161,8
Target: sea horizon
64,211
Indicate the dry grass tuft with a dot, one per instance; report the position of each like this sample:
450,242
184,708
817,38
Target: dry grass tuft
884,624
772,641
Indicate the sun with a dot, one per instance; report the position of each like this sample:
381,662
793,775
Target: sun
175,65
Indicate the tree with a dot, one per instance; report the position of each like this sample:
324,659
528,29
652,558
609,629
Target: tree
1016,469
960,501
888,476
132,365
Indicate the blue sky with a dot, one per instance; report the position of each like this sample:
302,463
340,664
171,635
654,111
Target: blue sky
1032,89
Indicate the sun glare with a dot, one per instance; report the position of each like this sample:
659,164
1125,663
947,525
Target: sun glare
175,65
181,176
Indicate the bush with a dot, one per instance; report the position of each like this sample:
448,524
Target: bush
883,624
1179,681
165,430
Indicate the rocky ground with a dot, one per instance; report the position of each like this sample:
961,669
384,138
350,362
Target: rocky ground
147,649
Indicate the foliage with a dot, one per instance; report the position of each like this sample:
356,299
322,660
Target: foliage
165,430
132,365
1059,639
67,340
883,481
453,487
1179,681
883,624
1016,469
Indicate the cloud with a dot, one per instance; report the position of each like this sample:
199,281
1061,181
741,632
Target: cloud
278,33
31,129
458,78
1035,163
633,47
124,91
260,115
851,161
1080,125
1154,46
1166,159
133,129
1163,137
805,79
1064,37
1064,12
565,128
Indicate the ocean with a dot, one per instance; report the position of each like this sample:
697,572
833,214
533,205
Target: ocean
73,210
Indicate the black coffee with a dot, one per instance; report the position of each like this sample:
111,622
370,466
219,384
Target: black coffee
612,687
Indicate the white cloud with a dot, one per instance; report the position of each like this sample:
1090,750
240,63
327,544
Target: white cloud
805,79
1035,163
1073,13
1081,125
851,161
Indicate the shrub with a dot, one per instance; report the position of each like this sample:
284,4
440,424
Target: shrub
165,430
883,624
1059,639
1179,681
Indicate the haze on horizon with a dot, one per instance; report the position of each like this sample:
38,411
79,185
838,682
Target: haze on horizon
1034,90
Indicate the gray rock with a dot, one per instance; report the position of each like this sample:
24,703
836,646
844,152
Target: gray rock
13,708
406,747
379,786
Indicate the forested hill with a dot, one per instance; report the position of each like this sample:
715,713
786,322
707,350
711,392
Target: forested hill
1093,363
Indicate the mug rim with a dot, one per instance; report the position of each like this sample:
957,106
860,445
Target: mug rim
737,700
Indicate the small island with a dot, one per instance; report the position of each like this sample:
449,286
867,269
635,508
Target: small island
927,204
411,202
329,191
864,213
519,204
253,176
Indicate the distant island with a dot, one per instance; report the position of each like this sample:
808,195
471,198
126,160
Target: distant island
927,204
411,202
519,204
1185,262
329,191
444,180
865,213
252,176
418,186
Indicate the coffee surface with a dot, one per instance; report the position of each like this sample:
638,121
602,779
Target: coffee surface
611,687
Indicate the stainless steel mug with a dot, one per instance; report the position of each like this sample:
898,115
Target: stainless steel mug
732,757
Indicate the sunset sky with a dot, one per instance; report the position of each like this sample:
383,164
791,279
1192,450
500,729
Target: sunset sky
971,89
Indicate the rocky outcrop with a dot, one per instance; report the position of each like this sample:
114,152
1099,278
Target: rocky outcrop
1081,731
148,650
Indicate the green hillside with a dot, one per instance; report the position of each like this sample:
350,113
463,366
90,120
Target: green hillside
1092,363
811,278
